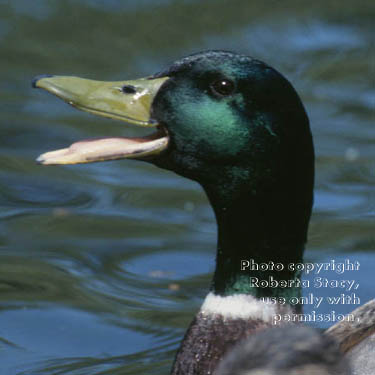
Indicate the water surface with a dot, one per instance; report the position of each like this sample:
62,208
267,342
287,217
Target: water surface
102,266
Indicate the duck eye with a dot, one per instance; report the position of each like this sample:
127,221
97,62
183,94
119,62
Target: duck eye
128,89
223,87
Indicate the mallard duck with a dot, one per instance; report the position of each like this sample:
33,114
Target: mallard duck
237,127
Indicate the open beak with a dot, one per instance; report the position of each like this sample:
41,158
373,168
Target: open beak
129,101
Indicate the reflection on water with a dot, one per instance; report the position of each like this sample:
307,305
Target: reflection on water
103,265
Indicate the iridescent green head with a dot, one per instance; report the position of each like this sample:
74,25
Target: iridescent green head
235,120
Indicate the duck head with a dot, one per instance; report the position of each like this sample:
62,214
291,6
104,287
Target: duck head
220,117
228,121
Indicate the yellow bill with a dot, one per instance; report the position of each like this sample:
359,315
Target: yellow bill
128,101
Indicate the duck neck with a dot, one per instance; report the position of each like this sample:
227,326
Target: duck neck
259,236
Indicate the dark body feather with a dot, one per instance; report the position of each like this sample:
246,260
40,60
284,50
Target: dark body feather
207,339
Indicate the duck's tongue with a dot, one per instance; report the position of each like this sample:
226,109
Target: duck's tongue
102,149
129,101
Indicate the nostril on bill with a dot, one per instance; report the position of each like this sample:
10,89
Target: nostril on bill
128,89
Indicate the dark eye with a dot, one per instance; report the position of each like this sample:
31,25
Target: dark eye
223,87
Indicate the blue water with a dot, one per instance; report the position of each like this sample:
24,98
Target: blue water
103,266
